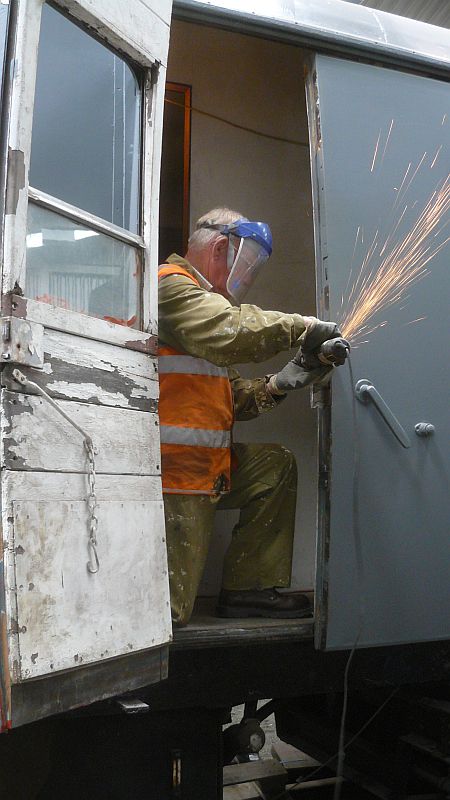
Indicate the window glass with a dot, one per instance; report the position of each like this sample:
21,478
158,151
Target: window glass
4,11
86,127
74,267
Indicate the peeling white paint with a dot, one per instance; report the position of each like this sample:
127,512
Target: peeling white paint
39,439
92,354
85,391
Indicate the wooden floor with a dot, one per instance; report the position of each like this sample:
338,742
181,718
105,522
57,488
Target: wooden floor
207,630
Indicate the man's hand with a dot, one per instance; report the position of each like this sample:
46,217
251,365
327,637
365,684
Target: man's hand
295,376
317,332
332,352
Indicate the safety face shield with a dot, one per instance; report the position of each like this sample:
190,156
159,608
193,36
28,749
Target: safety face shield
248,259
250,245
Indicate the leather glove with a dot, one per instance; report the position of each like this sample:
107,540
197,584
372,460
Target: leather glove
294,376
317,333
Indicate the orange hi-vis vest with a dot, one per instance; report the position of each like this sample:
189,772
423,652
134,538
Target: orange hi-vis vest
196,416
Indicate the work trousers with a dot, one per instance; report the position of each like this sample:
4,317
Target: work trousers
264,488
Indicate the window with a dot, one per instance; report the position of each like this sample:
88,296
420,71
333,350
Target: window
84,250
174,195
75,267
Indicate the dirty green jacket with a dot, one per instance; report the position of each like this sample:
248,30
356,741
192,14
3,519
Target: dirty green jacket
206,325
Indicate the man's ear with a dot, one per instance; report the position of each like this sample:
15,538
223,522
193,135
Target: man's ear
219,248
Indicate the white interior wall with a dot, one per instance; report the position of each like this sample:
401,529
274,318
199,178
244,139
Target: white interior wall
259,85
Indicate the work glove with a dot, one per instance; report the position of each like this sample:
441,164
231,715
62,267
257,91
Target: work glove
317,333
296,376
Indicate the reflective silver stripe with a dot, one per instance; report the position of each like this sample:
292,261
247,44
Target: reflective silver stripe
193,491
189,365
198,437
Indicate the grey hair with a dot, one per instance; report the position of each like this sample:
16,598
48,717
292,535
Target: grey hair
203,236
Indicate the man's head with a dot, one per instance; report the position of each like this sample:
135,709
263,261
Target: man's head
228,249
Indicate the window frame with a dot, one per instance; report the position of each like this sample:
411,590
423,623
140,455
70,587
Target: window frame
152,71
92,221
139,74
84,217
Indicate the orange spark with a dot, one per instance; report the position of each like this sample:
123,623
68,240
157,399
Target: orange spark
401,264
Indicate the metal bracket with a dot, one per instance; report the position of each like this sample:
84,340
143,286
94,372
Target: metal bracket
132,705
22,342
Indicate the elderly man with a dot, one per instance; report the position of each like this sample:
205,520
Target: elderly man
204,330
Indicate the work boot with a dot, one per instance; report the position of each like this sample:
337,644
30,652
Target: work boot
263,603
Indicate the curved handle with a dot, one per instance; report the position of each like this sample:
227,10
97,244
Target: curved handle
365,392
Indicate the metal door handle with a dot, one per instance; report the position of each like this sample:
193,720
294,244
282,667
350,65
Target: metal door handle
365,392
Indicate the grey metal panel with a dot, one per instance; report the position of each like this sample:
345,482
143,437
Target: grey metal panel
328,24
403,495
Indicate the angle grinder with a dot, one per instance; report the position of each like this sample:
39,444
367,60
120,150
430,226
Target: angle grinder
333,352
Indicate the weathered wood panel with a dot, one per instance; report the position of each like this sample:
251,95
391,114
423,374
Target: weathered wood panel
36,437
97,355
141,29
154,113
63,691
62,319
93,372
46,486
67,616
20,103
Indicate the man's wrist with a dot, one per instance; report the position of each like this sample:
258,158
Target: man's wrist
272,388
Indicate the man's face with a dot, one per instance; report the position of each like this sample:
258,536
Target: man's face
217,267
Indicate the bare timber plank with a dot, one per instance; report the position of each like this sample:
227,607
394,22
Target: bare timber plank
261,771
243,791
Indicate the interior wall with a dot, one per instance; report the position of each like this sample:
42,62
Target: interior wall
259,85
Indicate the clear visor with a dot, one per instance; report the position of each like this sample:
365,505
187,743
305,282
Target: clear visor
249,258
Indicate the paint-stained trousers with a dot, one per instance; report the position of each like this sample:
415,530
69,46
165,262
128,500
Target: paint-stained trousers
264,488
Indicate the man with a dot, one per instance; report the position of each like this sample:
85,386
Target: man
202,334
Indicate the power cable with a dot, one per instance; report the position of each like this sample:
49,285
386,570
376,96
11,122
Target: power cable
342,746
235,125
360,580
284,794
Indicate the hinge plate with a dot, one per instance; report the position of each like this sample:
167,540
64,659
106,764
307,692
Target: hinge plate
22,342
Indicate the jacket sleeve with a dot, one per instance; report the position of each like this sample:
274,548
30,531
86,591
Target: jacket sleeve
206,325
250,396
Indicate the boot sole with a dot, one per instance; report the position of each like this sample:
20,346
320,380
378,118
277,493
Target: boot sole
244,612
